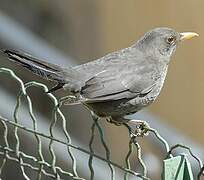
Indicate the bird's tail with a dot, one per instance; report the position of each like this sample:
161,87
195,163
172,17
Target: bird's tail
46,70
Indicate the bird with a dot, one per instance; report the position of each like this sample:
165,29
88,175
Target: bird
118,84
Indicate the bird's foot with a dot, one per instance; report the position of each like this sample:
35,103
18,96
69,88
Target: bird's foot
69,100
140,128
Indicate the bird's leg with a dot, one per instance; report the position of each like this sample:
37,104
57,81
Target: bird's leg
137,128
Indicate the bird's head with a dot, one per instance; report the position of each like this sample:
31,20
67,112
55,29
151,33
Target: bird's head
162,42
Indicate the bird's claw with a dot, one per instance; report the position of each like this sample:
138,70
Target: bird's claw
110,120
67,100
141,128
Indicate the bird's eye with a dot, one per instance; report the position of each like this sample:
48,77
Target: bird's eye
171,39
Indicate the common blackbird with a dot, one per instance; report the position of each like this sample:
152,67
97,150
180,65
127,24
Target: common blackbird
118,84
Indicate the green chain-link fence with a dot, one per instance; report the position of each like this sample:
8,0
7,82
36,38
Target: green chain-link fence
48,168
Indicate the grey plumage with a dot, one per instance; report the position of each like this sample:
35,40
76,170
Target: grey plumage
118,84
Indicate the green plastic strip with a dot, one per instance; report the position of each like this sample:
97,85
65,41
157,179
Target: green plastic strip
177,168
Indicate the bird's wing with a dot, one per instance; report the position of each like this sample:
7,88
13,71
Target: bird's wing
118,84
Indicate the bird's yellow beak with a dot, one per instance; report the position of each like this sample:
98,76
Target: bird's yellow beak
187,35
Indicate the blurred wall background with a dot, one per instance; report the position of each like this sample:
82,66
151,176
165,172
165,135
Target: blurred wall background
87,30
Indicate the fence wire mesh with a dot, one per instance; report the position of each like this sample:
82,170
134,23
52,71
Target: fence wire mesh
49,168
